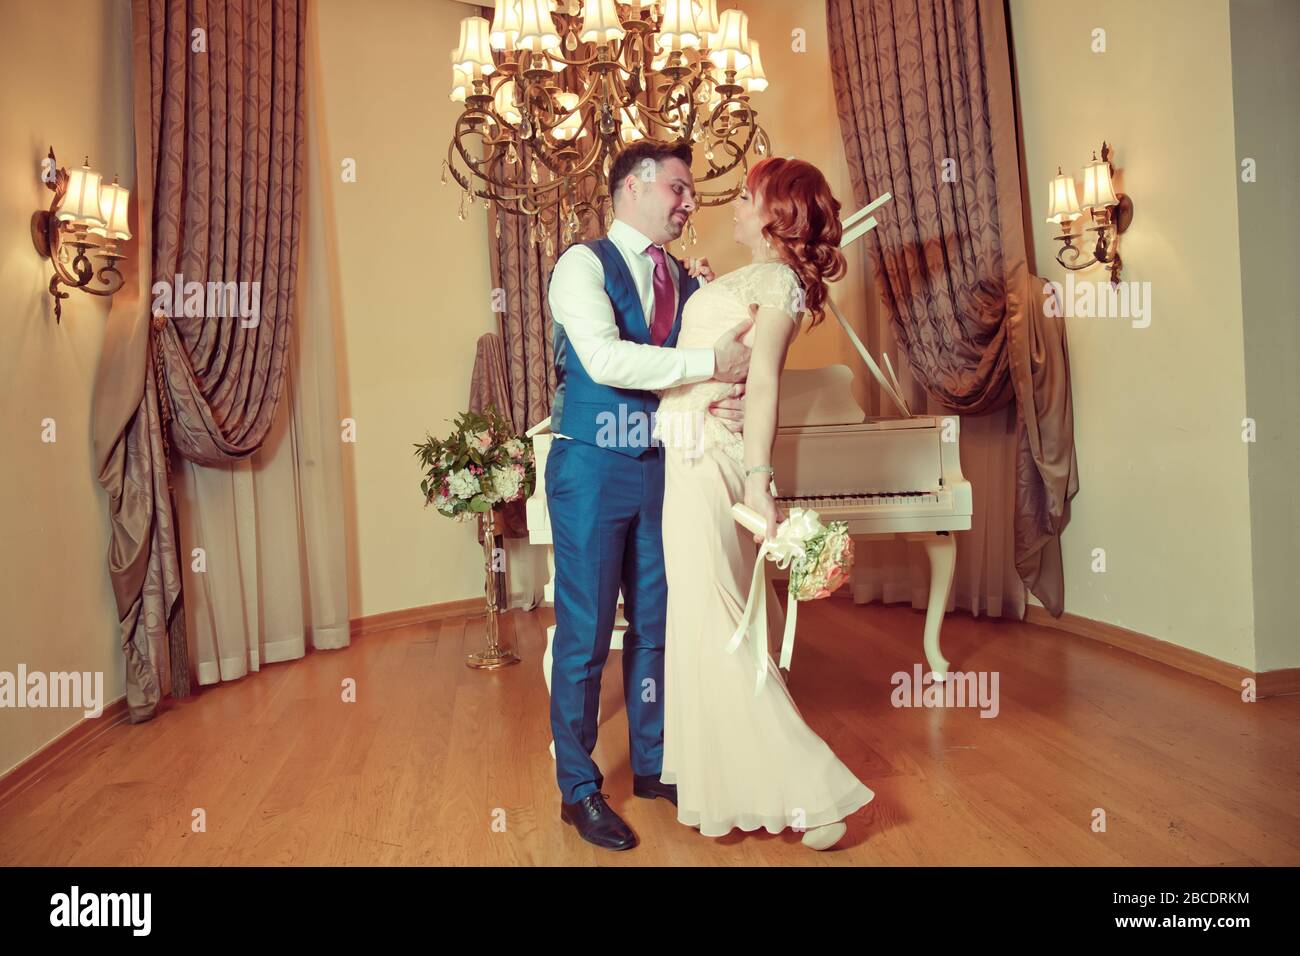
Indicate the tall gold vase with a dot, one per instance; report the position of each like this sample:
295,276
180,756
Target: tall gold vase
494,655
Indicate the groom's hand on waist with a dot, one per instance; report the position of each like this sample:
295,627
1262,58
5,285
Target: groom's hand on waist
730,355
731,410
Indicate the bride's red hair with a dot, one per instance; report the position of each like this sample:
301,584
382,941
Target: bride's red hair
803,224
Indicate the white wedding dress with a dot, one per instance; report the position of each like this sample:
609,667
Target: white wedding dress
738,760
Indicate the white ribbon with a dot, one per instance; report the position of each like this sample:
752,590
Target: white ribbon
787,545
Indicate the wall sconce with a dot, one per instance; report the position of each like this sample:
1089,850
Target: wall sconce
90,218
1111,214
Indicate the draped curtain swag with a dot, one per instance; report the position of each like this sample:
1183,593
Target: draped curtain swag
219,122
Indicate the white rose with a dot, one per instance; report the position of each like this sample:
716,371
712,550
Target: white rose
463,484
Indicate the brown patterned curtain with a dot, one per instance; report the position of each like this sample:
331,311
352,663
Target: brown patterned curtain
926,105
521,268
219,129
488,386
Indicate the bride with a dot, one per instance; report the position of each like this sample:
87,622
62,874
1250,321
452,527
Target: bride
741,760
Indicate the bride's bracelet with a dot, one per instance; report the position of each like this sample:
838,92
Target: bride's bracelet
758,468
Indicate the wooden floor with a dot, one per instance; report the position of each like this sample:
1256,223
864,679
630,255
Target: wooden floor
438,764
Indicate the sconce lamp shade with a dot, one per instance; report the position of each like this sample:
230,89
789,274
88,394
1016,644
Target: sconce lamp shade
504,32
601,23
113,201
81,201
1063,199
537,32
678,31
751,76
727,46
473,56
1098,192
706,16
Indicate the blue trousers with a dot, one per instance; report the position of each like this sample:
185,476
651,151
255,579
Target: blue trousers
606,509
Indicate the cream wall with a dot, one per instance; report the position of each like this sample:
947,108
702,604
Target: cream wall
1163,479
1266,75
70,89
409,282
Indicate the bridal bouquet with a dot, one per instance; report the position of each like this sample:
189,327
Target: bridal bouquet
819,557
482,464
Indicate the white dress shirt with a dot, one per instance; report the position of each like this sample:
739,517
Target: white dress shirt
579,303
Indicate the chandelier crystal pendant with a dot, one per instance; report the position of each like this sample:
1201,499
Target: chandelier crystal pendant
554,89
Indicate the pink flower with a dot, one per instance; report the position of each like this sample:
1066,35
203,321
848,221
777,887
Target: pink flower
484,440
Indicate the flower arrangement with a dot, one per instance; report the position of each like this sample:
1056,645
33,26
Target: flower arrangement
480,465
819,556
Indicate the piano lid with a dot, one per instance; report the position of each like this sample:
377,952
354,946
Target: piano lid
878,456
818,396
854,227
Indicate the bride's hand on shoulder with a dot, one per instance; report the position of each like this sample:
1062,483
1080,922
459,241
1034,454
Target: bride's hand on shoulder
758,495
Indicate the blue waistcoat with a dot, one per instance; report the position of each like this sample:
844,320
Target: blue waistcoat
585,410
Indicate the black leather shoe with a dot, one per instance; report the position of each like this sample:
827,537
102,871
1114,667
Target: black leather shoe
651,787
597,823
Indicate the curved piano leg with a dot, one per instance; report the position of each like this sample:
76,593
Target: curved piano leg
941,549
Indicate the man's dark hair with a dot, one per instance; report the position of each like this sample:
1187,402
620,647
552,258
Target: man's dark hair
631,159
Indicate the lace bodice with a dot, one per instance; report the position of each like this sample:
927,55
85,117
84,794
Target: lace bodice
683,422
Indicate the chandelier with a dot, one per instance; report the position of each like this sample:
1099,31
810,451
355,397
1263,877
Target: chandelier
554,89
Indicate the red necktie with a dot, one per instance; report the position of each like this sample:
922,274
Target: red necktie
665,306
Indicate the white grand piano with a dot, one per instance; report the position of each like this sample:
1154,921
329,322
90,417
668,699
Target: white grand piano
885,477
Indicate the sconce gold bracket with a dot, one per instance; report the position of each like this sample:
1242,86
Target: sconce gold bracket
1108,224
51,237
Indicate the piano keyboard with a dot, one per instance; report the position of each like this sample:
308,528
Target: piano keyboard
911,502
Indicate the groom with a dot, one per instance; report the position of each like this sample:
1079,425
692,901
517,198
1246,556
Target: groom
616,305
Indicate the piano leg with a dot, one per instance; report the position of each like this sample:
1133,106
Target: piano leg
941,549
